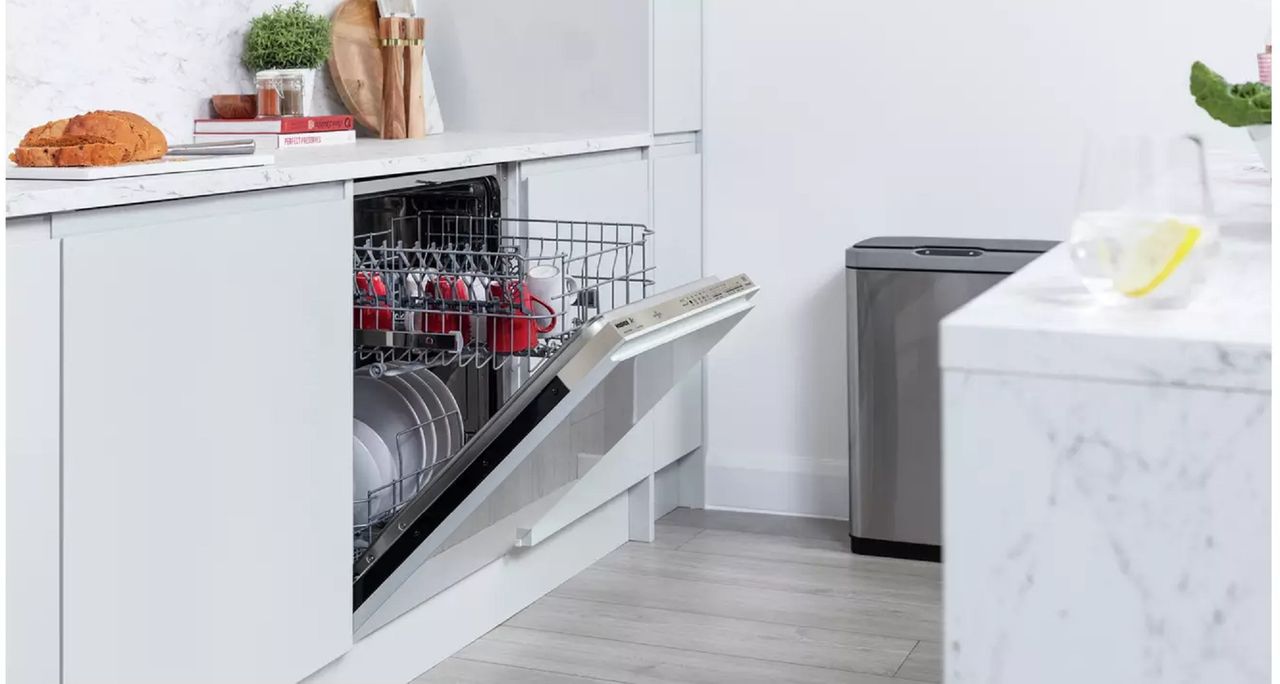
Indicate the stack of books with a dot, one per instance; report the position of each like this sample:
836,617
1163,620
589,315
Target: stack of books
281,133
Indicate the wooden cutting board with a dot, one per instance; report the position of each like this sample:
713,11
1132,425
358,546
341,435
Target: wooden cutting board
356,61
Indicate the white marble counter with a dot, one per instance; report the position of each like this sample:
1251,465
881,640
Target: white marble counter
1042,321
366,158
1106,475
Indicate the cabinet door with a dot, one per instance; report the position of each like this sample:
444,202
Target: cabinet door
677,223
677,65
33,451
609,187
207,415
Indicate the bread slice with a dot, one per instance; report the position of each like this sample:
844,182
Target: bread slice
70,151
53,129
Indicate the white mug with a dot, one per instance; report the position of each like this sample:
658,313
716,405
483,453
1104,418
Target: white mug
548,284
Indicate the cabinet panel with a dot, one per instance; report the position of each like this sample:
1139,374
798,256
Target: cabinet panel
615,191
677,65
677,222
610,187
207,466
33,452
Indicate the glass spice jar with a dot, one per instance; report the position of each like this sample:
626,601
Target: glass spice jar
281,92
267,84
292,94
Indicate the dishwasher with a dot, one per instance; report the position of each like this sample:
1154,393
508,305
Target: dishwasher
898,290
439,280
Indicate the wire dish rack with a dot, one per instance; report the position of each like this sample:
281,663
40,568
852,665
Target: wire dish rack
441,289
373,511
462,297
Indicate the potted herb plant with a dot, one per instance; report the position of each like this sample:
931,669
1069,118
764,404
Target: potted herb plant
283,48
1239,105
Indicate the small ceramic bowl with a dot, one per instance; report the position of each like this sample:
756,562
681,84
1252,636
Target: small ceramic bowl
235,106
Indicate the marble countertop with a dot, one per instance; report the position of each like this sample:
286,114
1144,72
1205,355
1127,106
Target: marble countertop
1041,320
366,158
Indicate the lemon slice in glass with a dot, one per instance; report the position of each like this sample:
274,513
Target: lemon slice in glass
1151,260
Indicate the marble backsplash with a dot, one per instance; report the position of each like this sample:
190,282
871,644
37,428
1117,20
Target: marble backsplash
159,58
490,59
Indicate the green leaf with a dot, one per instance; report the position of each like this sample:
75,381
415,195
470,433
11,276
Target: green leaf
1242,104
287,38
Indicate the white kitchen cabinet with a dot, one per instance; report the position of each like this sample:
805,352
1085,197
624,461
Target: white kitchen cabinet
677,222
607,187
618,187
33,450
611,187
677,65
206,432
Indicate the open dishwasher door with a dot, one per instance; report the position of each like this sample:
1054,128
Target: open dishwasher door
685,322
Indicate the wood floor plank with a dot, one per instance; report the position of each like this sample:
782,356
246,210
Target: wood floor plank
831,649
459,671
924,664
761,523
668,536
643,664
781,574
902,620
800,550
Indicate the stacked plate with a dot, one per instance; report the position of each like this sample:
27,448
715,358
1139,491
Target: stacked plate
405,422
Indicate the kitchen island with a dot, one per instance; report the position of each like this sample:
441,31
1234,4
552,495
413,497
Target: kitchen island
1107,472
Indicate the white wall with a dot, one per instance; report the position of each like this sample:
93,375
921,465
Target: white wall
541,66
829,121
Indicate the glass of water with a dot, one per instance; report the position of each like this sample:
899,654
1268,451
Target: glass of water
1144,232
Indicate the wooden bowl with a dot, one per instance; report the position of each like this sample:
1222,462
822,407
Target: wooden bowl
235,106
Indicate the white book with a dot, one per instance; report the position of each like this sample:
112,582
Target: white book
272,141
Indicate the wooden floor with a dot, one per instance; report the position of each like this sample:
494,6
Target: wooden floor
723,597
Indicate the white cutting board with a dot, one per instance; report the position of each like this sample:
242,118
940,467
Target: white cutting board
146,168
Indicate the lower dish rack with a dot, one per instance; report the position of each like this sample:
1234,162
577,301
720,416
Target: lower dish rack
446,295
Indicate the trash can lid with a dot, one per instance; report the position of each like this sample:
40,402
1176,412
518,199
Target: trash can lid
914,253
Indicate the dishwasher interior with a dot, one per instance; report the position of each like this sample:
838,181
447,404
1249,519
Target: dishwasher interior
443,285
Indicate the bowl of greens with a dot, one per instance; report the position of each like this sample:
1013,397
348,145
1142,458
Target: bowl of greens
1239,105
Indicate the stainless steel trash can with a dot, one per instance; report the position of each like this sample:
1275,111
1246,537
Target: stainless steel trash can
899,288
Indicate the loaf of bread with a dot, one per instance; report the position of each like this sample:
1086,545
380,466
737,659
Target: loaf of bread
98,138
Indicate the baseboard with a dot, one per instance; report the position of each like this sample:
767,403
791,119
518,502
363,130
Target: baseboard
782,492
735,509
426,635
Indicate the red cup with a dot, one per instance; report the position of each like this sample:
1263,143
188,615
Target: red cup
516,330
372,311
449,289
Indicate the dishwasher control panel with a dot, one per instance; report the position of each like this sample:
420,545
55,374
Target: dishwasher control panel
678,307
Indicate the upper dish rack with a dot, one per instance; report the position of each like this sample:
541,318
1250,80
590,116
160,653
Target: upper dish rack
438,289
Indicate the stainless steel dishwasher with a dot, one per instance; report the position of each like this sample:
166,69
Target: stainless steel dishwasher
899,288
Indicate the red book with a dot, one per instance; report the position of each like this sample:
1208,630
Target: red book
288,124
